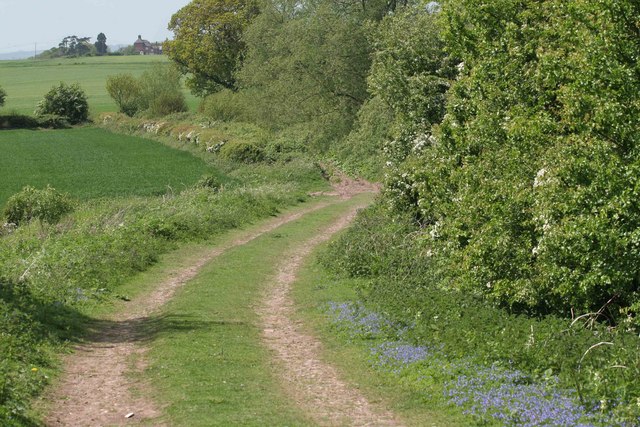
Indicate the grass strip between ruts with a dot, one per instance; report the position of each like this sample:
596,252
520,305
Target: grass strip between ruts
207,362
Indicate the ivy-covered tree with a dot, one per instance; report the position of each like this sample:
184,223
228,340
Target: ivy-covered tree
208,42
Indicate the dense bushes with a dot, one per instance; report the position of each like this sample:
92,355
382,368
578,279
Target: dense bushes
157,92
525,191
241,151
67,101
514,153
46,205
3,96
20,121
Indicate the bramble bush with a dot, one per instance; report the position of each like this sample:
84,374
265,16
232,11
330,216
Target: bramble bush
67,101
46,205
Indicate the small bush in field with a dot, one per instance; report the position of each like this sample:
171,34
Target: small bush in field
125,91
242,152
47,205
167,103
68,101
157,92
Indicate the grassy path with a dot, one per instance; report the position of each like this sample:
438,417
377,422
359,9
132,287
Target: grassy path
311,382
95,389
198,339
218,364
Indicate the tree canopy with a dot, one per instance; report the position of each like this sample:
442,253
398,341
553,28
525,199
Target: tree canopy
101,44
208,41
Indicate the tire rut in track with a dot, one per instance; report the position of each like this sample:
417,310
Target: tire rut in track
96,388
313,384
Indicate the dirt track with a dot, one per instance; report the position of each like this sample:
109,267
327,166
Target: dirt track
96,388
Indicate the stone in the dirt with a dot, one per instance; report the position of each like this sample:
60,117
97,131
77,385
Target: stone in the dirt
129,415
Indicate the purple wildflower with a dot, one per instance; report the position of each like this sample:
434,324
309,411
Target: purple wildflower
398,355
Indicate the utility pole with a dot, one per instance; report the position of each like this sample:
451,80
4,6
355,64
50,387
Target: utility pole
35,50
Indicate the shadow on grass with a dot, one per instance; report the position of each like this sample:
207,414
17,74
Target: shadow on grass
146,329
34,329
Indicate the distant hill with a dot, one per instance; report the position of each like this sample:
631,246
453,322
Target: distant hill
23,54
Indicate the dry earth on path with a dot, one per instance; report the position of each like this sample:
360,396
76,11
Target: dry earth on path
312,383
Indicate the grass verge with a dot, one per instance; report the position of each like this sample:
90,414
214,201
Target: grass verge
313,292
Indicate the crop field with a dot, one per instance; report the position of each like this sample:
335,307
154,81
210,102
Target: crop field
27,81
90,163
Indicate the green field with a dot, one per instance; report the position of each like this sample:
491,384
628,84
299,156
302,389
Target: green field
90,163
27,81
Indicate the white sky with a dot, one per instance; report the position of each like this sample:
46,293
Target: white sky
46,22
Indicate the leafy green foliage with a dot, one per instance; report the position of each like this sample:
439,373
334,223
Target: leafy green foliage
161,91
523,190
226,105
241,151
3,96
157,92
395,272
126,91
306,67
68,101
46,205
209,42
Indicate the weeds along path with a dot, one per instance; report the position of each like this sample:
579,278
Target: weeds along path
311,383
96,388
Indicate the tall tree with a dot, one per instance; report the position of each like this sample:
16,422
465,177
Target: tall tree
208,41
307,64
75,46
101,44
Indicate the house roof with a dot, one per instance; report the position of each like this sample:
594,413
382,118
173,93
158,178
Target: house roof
141,41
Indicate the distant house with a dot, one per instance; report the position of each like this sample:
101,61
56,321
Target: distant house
145,47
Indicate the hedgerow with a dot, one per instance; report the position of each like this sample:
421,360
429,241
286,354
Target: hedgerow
514,170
